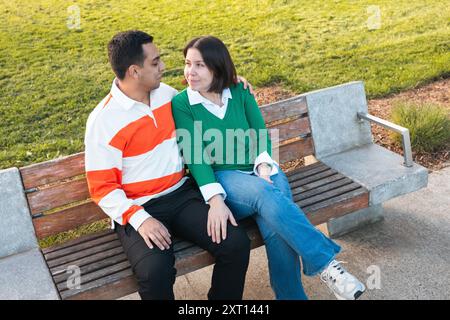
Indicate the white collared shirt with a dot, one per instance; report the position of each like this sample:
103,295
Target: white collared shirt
219,111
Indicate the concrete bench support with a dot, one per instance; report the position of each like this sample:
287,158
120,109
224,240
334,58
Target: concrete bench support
23,271
25,276
353,221
345,143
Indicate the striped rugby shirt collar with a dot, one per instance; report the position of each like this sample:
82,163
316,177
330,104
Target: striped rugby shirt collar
127,103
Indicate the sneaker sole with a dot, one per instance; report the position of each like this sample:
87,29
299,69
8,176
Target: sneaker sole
358,294
355,296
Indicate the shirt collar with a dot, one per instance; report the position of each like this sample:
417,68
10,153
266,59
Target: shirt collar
123,100
195,97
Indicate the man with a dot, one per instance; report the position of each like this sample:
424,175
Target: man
136,175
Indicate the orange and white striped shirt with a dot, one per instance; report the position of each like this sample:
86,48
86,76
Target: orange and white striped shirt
131,153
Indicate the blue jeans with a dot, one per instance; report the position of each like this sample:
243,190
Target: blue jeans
286,231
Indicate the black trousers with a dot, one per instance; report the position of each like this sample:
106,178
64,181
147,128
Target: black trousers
184,213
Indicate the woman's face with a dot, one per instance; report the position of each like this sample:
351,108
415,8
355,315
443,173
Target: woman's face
197,74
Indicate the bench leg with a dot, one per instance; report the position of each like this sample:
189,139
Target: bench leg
355,220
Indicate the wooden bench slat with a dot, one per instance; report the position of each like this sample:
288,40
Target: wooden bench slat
67,219
317,184
117,277
331,202
73,257
320,190
99,274
328,195
293,129
315,177
333,208
58,195
76,241
296,150
300,175
101,264
303,169
126,285
51,171
81,247
280,110
86,260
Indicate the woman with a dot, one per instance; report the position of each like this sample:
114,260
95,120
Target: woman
235,173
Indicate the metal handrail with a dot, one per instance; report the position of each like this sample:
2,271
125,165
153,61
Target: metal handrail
406,142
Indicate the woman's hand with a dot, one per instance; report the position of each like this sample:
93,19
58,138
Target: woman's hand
264,170
218,216
246,84
267,178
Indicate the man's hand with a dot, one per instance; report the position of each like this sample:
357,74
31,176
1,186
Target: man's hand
154,232
246,84
218,216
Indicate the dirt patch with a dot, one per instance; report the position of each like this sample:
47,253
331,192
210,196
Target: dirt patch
271,94
437,93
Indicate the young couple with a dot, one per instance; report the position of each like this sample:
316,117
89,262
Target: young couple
136,174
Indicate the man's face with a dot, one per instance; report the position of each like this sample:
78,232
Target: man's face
150,74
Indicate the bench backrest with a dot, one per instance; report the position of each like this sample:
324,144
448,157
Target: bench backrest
57,190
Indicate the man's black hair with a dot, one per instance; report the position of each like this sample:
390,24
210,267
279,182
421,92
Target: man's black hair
125,49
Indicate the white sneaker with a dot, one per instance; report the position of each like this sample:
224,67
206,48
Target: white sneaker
344,285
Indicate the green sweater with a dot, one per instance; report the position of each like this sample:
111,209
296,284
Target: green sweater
209,143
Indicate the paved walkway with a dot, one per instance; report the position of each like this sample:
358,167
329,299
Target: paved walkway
410,248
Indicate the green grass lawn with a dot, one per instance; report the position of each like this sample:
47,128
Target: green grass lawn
51,76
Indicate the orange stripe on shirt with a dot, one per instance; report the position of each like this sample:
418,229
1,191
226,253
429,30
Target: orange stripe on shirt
129,213
145,188
141,136
102,182
165,113
107,101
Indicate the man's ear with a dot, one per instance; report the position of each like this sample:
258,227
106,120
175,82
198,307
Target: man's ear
133,71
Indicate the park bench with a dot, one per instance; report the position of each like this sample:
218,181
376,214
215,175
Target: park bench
344,182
